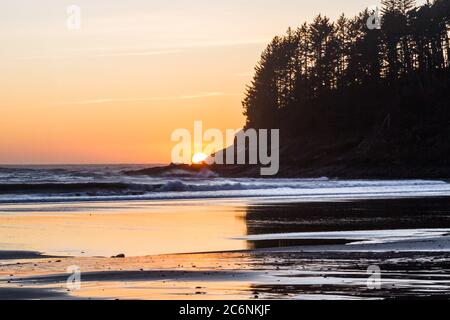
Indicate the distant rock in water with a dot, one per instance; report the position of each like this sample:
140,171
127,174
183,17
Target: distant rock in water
176,170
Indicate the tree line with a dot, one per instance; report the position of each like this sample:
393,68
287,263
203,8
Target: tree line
328,77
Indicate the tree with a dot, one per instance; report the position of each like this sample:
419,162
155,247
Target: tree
323,54
321,64
343,44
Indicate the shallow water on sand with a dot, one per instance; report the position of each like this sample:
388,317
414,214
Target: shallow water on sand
168,227
133,229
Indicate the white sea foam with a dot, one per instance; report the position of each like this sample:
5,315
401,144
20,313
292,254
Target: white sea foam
84,183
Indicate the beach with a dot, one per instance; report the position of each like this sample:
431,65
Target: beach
239,248
225,150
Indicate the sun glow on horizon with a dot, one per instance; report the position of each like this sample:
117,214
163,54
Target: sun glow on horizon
199,158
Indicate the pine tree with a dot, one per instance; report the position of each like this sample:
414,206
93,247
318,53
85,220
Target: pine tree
321,36
302,72
343,46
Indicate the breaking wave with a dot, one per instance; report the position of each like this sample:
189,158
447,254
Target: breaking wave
109,183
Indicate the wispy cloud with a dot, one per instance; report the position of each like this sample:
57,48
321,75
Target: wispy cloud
201,95
99,55
139,52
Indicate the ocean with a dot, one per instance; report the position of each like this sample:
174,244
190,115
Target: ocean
69,183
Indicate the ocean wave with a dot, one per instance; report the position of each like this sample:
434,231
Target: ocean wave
55,188
218,188
126,188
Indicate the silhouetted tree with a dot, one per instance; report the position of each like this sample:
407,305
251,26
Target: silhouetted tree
322,64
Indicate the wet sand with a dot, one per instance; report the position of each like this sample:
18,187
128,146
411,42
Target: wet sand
272,251
247,275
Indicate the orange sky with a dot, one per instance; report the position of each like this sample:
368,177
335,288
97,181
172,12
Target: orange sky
113,91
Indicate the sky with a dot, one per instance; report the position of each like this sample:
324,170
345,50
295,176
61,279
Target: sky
115,89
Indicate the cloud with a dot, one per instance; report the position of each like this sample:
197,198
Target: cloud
139,53
106,54
201,95
142,52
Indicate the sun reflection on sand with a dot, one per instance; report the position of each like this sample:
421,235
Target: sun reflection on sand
133,229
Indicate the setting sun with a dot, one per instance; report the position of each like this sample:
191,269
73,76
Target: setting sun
199,158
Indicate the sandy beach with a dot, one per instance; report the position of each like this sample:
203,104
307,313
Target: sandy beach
225,150
226,249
